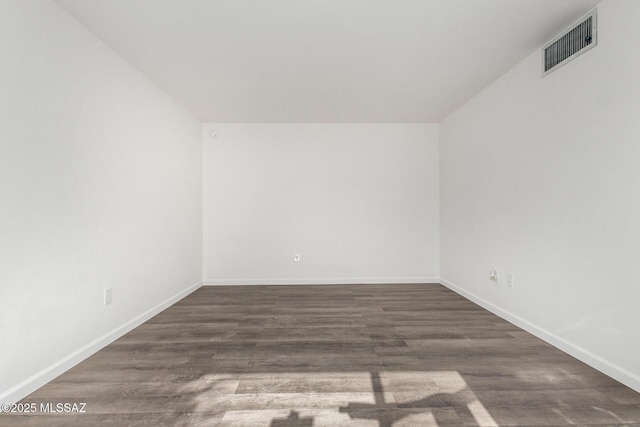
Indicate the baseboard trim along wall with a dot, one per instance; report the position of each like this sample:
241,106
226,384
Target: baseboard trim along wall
327,281
41,378
614,371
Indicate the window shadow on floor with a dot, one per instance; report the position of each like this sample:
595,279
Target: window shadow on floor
292,420
388,413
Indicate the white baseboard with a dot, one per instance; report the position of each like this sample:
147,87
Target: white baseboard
327,281
611,369
39,379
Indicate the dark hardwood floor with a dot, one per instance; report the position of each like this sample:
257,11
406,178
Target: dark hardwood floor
363,355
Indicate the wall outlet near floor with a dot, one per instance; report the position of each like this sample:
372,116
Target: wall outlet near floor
107,296
493,275
296,258
510,280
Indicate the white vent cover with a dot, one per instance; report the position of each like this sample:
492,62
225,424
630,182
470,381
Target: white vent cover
571,43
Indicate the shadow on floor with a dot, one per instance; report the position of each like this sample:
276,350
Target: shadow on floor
292,420
388,413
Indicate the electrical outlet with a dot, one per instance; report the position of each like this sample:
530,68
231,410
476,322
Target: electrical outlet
107,296
510,280
296,258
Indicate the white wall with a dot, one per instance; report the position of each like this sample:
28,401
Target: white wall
359,202
100,186
541,177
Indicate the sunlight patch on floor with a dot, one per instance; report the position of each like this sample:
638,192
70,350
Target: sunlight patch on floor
386,398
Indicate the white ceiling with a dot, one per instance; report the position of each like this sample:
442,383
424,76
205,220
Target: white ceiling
324,60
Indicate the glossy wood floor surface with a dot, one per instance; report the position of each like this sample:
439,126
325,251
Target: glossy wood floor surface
362,355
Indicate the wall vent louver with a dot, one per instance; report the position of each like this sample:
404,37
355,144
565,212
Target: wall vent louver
571,43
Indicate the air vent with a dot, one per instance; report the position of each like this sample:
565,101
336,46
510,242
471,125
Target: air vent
571,43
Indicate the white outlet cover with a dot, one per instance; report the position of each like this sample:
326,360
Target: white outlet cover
510,280
107,296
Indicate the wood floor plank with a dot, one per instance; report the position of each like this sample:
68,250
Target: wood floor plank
361,355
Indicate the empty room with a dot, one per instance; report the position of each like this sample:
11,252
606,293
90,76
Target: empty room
297,213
